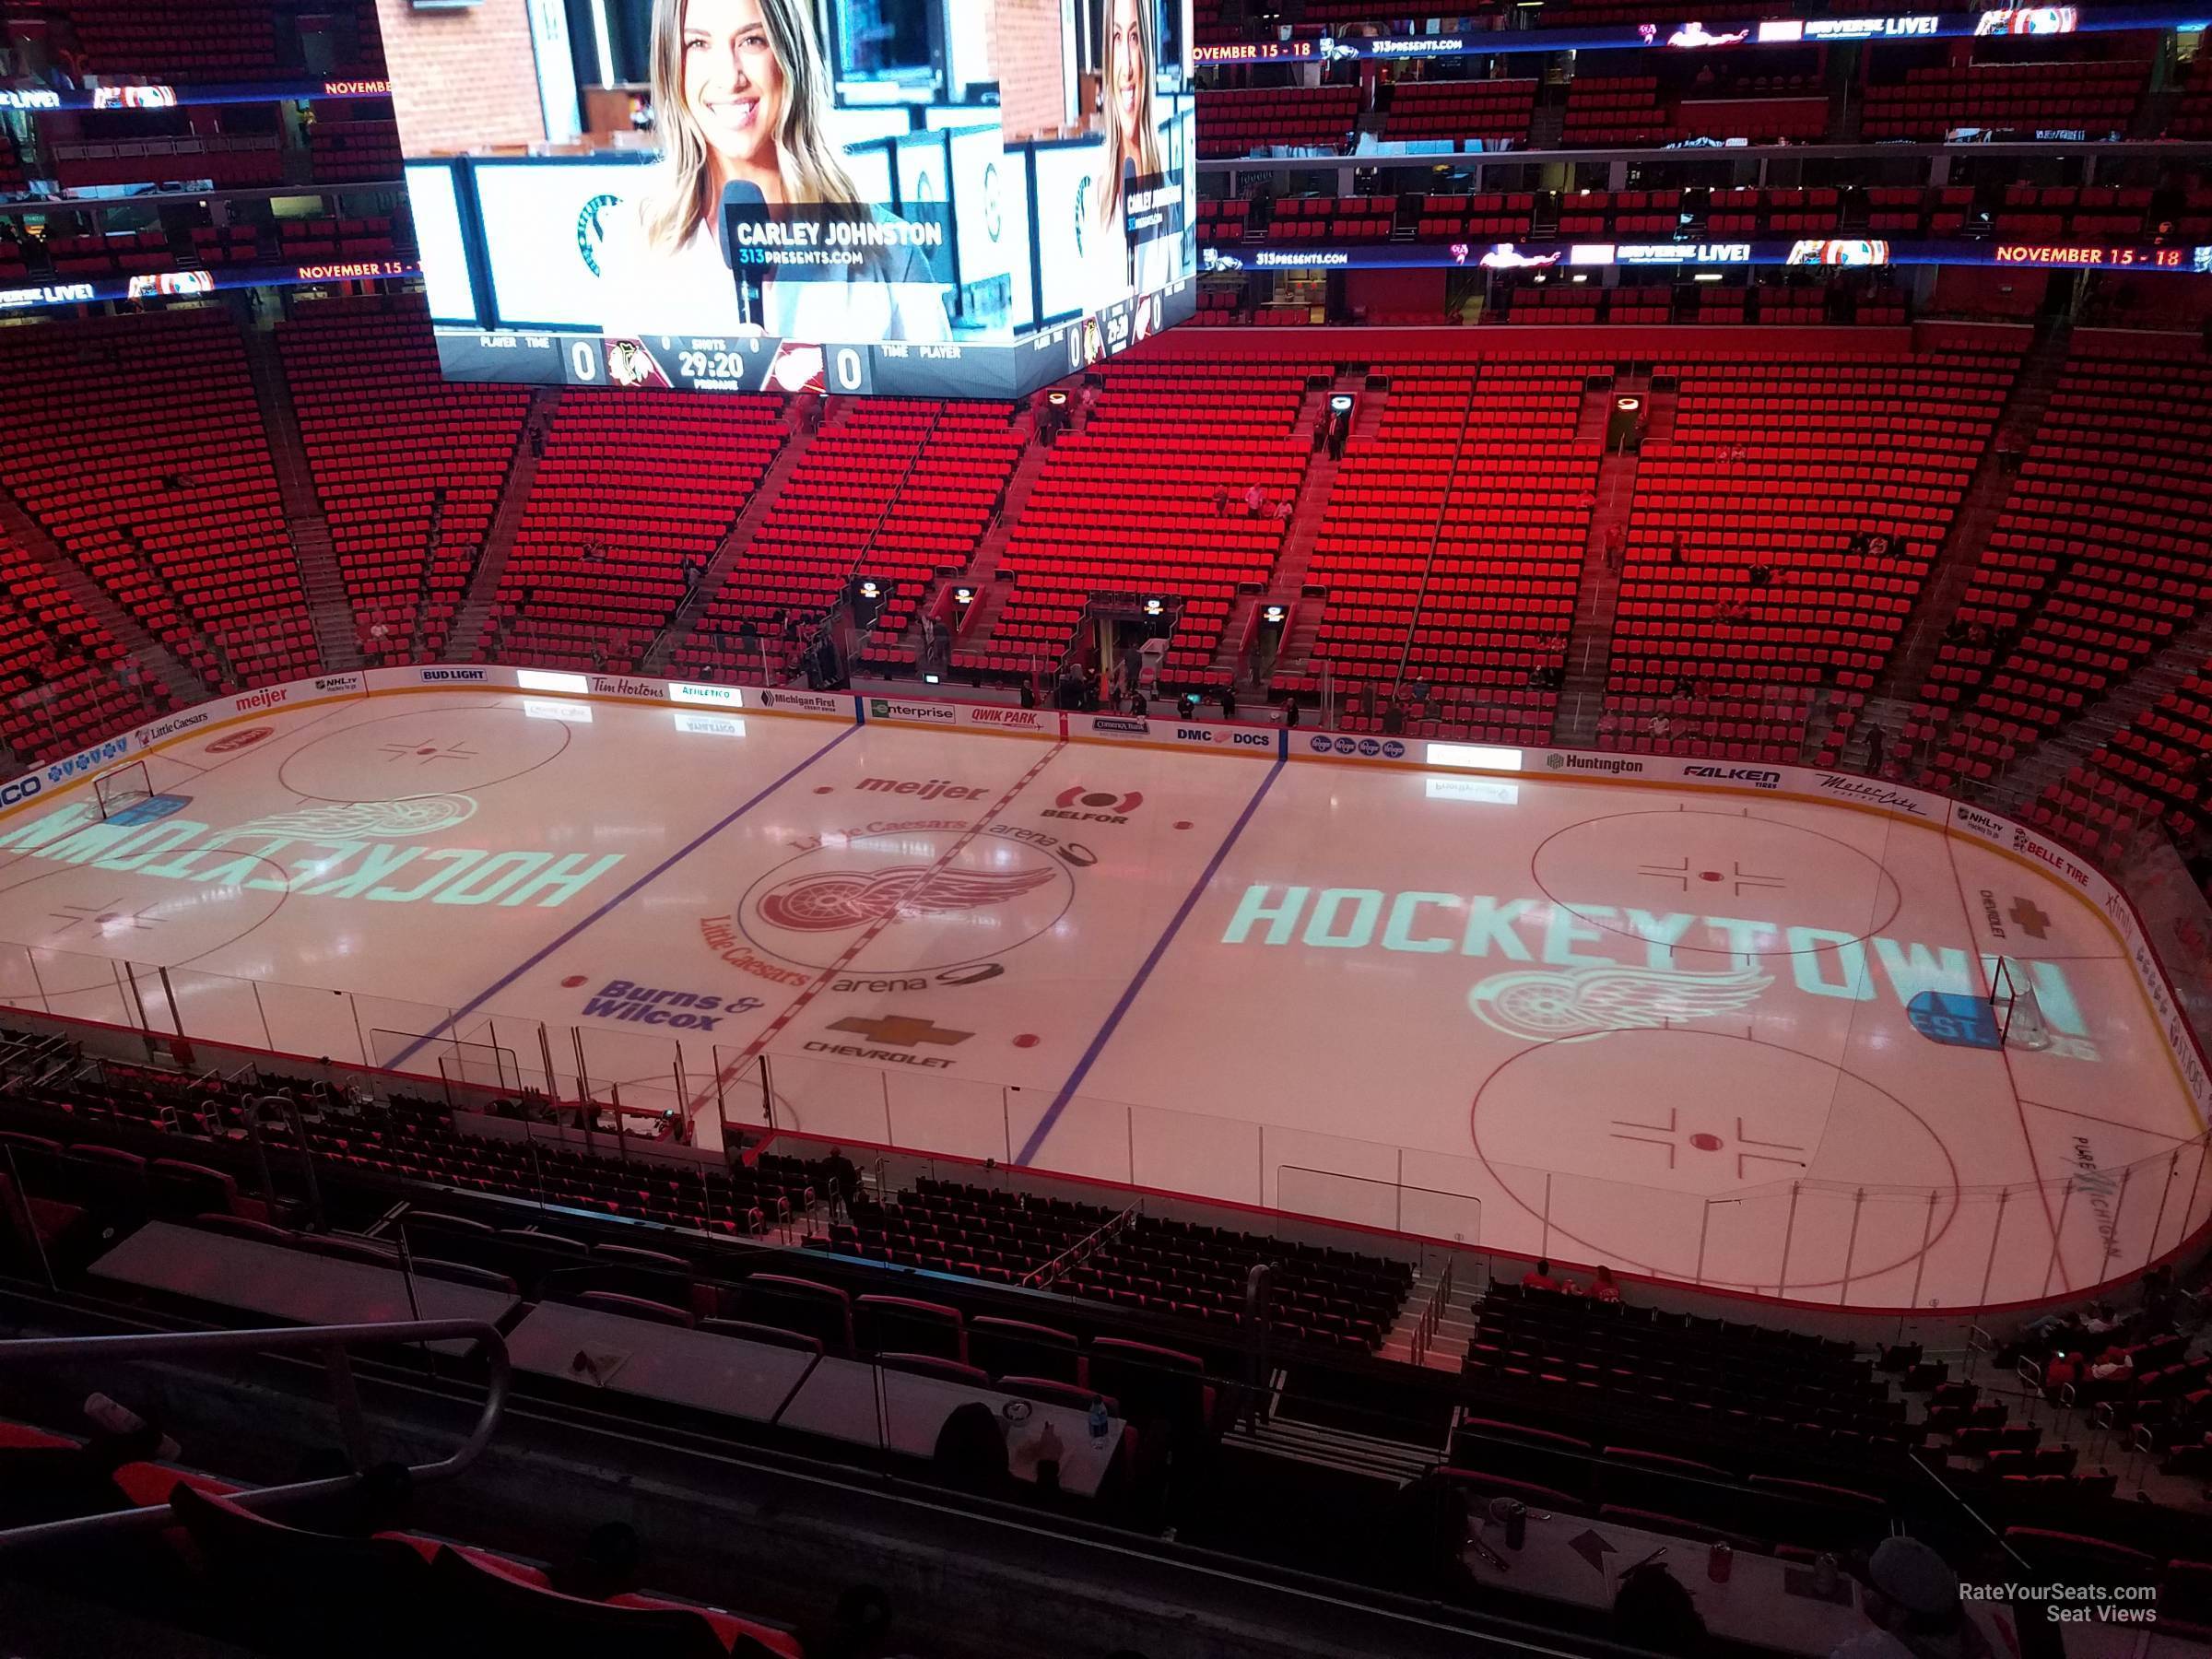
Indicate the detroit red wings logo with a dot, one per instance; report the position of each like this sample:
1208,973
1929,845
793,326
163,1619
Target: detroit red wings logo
1548,1005
830,900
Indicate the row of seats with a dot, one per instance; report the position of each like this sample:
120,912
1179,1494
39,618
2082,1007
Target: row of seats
408,467
901,490
1841,481
1148,495
634,486
1453,538
1193,1271
2096,559
64,681
137,443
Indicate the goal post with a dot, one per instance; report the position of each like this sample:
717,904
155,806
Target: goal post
2012,1003
123,790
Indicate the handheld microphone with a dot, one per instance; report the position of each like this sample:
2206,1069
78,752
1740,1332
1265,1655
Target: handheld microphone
743,199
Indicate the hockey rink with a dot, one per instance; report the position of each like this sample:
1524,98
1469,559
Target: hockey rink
1738,1039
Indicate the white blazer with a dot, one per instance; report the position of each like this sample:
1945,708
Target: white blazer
691,291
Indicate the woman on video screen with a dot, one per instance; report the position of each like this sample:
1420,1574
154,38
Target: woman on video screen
1131,151
741,96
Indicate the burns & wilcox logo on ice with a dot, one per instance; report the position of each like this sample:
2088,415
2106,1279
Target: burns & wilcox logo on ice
648,1004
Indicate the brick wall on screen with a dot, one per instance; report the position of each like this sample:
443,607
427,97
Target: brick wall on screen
462,78
1025,50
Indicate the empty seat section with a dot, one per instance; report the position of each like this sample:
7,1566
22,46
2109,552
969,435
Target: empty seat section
408,467
137,443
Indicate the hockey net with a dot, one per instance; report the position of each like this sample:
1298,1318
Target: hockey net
2012,1002
123,790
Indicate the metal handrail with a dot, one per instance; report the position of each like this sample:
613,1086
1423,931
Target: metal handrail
333,1341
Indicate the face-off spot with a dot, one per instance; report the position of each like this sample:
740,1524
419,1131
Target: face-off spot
573,981
437,751
1027,1040
1737,865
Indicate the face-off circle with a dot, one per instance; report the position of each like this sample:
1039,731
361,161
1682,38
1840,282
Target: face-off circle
437,751
82,920
1715,864
1691,1174
992,896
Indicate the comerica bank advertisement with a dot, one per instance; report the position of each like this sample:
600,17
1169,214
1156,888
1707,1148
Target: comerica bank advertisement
914,197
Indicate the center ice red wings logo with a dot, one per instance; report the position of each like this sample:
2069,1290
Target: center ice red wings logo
830,900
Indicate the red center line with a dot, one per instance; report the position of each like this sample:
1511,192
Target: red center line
868,935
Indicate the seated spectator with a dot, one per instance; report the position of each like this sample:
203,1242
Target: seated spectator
1539,1278
1603,1288
2064,1369
2114,1365
1912,1600
970,1454
1653,1612
2100,1318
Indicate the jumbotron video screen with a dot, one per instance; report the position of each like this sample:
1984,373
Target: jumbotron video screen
935,198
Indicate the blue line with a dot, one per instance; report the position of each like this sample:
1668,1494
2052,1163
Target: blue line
628,893
1190,902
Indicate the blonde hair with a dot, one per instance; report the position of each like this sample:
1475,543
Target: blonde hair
806,155
1143,144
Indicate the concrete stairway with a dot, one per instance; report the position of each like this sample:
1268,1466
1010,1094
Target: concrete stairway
1447,1344
1596,597
983,570
2030,774
465,642
153,658
328,605
723,560
982,573
1295,655
1897,687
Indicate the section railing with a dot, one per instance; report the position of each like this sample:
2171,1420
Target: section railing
334,1343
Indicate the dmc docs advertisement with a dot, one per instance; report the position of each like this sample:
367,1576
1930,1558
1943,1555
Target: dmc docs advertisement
917,198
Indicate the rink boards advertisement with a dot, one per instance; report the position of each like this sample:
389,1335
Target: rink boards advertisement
239,722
